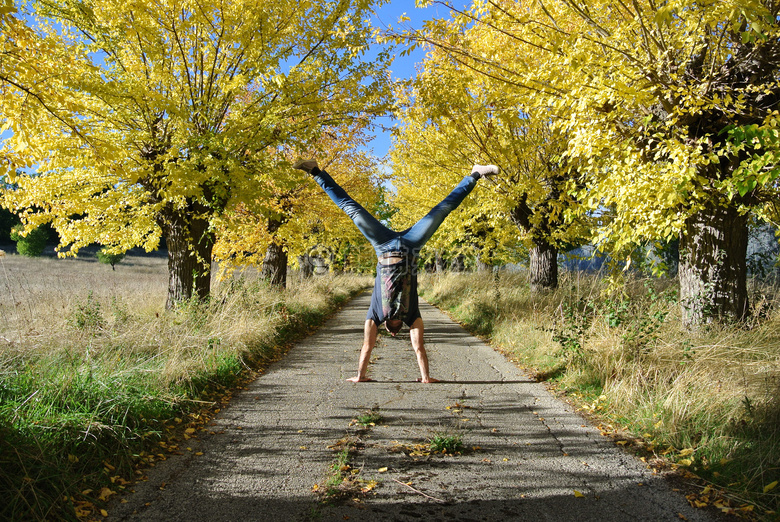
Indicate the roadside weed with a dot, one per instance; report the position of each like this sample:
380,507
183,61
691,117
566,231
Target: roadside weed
93,387
449,443
369,418
344,479
339,471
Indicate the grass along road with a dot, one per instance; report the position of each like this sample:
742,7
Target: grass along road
705,401
97,379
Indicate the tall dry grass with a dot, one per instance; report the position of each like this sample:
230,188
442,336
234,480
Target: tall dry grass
708,399
93,369
50,306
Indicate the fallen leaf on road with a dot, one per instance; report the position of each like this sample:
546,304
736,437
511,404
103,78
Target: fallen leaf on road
368,486
578,494
105,493
382,470
769,487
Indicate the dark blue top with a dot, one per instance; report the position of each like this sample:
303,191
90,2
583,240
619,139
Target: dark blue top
395,293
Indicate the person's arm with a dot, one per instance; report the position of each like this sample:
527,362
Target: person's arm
416,334
370,332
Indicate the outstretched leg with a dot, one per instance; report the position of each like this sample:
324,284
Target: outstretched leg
369,226
421,232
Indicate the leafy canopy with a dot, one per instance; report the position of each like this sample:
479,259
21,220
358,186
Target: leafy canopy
668,108
179,106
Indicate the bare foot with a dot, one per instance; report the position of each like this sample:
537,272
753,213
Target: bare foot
429,379
358,379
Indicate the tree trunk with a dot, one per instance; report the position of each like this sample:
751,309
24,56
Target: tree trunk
275,266
319,265
306,263
440,264
189,256
543,267
275,262
713,267
457,264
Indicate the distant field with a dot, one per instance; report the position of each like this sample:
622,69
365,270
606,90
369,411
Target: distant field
36,292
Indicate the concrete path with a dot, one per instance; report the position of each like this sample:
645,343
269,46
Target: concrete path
530,456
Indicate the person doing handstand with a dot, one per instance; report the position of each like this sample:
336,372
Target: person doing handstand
394,300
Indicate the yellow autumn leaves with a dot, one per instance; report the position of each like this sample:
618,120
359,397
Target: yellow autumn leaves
132,115
638,94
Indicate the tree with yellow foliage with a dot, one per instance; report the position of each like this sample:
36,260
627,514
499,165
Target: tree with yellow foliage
452,116
296,218
672,114
177,110
34,71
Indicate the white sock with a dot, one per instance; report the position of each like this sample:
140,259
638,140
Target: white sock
484,170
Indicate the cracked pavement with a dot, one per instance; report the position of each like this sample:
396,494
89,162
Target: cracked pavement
528,455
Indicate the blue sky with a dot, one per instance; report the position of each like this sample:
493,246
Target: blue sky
404,66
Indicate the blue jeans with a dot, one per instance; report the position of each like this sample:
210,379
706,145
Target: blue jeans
383,239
